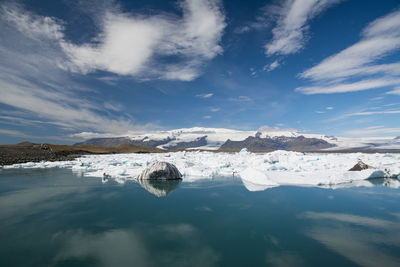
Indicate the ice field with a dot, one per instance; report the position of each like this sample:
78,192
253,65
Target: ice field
258,171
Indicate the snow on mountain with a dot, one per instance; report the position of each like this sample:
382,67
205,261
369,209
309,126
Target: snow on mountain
216,137
213,138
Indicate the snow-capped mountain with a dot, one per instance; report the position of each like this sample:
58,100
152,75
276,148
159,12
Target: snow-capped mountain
232,140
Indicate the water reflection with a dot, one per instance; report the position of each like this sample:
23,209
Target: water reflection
386,182
137,246
111,248
366,241
159,188
56,219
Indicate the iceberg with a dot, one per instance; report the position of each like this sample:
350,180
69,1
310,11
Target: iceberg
258,171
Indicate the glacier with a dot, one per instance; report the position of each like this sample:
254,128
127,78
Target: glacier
215,137
258,171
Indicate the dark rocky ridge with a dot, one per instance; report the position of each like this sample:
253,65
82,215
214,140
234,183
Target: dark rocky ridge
256,143
115,141
30,152
201,141
107,142
299,143
145,142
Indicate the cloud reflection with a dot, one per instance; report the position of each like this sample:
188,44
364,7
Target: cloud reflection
112,248
153,245
356,237
284,258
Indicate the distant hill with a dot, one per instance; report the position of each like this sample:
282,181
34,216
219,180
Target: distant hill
32,152
106,142
299,143
264,139
115,141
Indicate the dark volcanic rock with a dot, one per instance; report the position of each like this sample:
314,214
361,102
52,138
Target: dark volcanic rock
361,166
30,152
151,143
160,171
299,143
115,141
107,142
201,141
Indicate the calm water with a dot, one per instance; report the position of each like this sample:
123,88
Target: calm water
51,217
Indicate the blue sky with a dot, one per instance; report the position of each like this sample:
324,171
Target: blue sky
80,69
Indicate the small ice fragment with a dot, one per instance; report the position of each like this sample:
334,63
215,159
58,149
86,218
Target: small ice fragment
256,177
244,151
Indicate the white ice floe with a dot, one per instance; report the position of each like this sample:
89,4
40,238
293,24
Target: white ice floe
258,171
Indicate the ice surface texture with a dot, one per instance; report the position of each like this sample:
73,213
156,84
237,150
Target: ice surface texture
256,170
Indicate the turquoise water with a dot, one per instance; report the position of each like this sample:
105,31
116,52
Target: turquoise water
51,217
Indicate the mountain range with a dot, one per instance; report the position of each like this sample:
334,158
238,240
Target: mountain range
264,139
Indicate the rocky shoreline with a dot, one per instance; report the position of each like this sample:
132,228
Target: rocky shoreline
32,152
29,152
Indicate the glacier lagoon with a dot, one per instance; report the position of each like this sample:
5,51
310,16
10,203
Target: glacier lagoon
60,217
259,171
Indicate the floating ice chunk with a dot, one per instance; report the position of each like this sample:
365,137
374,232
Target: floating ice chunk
244,151
256,177
256,187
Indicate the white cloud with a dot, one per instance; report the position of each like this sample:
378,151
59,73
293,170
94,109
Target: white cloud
113,106
367,113
395,91
329,108
262,21
373,131
160,46
31,82
379,39
36,58
13,133
125,46
208,95
90,135
241,98
266,129
131,44
349,87
207,117
293,17
35,27
215,109
392,104
272,66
